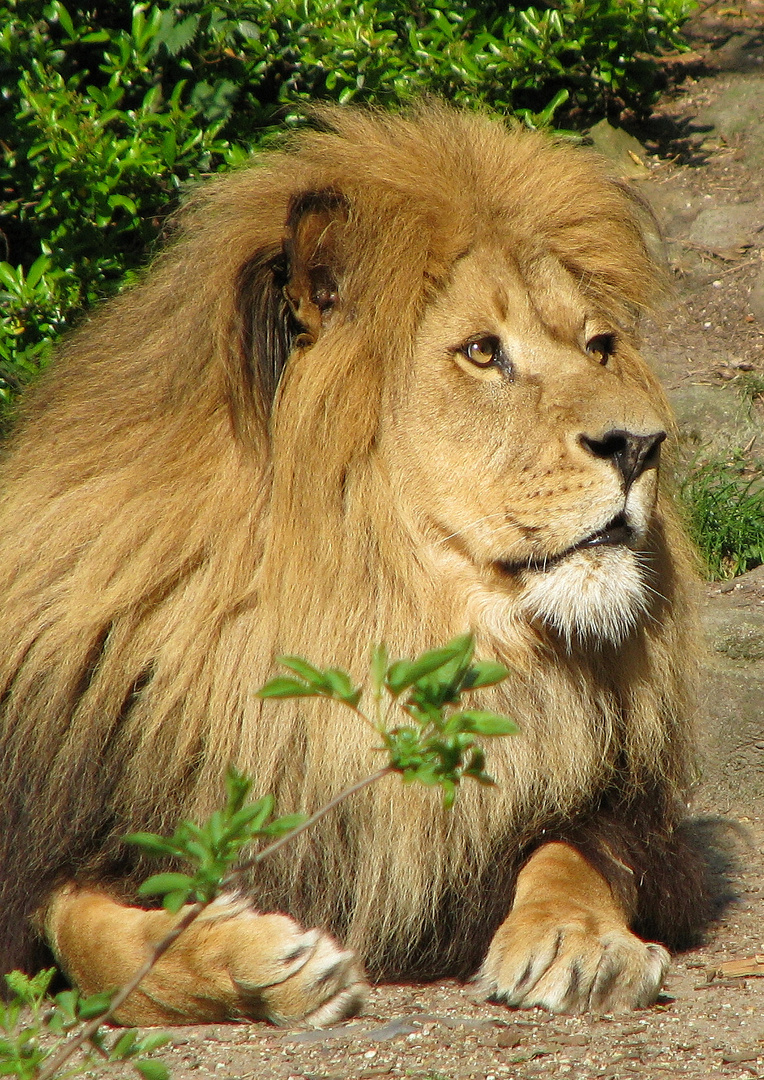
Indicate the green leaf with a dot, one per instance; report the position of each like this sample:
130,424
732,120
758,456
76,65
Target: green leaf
545,116
154,1041
283,687
215,102
449,793
11,277
312,675
39,267
124,201
94,1006
485,673
379,665
330,683
283,825
248,29
476,768
174,901
159,884
405,673
59,12
176,36
30,988
124,1045
253,816
150,842
238,787
67,1001
214,828
485,722
341,687
152,1070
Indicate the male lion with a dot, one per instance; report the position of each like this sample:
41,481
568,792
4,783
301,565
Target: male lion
384,387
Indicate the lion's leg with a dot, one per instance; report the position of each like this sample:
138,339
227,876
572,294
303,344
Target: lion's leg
566,943
231,962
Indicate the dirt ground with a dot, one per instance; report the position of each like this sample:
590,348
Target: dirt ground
703,172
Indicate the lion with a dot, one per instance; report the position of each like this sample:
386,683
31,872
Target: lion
383,386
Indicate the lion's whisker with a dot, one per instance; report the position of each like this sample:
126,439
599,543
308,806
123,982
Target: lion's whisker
471,525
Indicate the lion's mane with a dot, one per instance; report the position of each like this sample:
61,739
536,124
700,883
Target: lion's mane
181,505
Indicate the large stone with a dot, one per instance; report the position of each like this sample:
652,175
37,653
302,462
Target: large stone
738,116
715,421
622,149
720,228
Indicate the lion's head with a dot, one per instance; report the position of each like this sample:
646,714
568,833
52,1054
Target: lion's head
385,386
525,438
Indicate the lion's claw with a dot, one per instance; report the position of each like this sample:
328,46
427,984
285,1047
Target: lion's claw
286,974
305,976
569,969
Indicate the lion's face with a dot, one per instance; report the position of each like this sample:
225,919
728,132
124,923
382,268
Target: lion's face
527,437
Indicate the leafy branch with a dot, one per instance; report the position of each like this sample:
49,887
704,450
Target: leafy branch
437,745
31,1013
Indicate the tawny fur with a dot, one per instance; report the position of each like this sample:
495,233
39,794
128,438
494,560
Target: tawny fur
170,523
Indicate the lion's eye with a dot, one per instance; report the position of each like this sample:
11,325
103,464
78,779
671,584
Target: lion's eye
601,346
484,352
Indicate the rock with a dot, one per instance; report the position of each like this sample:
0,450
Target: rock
622,149
738,117
720,228
672,204
744,640
715,420
736,54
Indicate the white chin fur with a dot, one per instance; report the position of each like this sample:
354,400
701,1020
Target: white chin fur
595,595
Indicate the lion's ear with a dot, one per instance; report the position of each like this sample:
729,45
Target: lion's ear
284,295
312,246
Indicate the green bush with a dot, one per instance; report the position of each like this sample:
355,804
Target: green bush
109,109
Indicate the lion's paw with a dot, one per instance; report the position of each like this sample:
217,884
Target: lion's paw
570,968
230,962
287,974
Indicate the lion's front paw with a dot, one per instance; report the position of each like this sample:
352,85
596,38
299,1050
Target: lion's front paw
571,967
230,962
288,974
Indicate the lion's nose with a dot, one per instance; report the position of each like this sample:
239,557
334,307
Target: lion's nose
631,454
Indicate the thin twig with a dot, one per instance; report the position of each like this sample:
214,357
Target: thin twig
232,878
